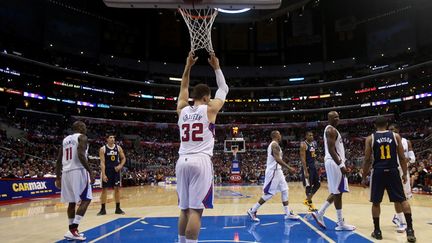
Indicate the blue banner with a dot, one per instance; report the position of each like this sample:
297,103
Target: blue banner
27,188
235,167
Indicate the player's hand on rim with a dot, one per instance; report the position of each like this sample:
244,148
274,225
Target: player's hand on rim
213,61
191,59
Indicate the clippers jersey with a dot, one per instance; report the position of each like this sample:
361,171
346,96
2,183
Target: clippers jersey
196,131
340,150
384,147
70,160
112,157
310,154
271,162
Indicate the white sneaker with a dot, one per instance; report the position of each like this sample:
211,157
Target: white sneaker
341,226
401,228
396,220
252,215
74,235
292,216
319,219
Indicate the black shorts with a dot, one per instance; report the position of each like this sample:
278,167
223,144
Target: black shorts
313,177
389,180
114,178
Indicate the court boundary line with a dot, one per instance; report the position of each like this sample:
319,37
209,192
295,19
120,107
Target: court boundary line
305,221
116,230
319,232
356,230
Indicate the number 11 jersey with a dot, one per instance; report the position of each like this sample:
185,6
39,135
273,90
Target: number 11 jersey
196,131
70,160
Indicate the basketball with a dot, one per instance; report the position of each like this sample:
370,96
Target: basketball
194,121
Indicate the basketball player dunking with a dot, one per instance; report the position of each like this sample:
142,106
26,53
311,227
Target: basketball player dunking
385,149
335,169
75,178
274,179
194,169
112,159
310,174
399,218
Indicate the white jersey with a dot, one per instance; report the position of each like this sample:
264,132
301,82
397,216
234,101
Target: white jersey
70,158
196,131
271,161
340,150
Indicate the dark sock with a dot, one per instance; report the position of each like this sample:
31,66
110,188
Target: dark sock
117,205
376,223
408,220
73,226
103,207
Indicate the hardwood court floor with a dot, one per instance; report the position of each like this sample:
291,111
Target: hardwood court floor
45,220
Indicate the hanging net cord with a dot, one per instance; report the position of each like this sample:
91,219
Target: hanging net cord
199,23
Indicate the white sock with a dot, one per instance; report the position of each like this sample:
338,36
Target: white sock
255,207
77,219
182,239
191,241
70,221
401,217
287,210
339,215
324,208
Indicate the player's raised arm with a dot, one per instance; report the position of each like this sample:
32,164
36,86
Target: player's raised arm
183,97
217,103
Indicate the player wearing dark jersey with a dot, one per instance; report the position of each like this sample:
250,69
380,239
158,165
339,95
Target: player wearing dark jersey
310,174
384,151
112,161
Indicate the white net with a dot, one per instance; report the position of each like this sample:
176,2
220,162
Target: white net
199,23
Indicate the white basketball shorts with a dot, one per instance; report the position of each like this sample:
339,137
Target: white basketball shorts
337,183
75,186
194,181
274,182
406,185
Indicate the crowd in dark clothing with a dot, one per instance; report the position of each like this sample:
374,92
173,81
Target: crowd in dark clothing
152,152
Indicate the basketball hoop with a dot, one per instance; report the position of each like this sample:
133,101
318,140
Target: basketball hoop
199,23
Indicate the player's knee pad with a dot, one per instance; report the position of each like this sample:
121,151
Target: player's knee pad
267,197
284,195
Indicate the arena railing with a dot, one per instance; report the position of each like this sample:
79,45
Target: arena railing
142,83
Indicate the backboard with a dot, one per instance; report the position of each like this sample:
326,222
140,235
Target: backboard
225,4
